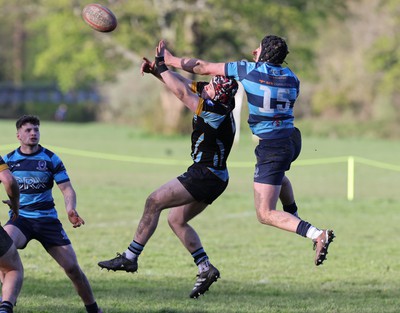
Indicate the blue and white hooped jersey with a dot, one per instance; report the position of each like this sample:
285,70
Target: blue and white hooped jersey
35,174
271,93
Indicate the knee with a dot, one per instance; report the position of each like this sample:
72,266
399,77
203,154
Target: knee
174,222
264,217
153,203
73,271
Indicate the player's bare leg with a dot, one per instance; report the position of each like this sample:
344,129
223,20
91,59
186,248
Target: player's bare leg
266,197
178,219
287,197
65,256
171,194
12,276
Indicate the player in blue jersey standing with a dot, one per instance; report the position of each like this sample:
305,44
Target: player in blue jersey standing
36,169
10,261
271,90
204,181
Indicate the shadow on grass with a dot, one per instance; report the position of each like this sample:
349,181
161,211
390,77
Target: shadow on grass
129,293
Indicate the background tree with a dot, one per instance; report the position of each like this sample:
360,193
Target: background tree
345,52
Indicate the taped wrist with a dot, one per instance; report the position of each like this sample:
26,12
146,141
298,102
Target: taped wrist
160,64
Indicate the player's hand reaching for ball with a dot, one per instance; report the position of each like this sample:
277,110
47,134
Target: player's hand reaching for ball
75,219
160,48
162,45
147,67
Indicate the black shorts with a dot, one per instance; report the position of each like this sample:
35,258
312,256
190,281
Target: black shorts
48,231
5,242
274,158
202,184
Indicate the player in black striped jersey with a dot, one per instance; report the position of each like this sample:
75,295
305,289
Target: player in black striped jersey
204,181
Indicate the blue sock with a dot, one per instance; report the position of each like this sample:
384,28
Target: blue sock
136,248
199,256
7,306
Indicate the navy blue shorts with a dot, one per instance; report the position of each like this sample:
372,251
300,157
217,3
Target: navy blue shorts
5,242
202,184
48,231
274,157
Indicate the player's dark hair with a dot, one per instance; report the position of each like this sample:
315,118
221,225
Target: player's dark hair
273,50
24,119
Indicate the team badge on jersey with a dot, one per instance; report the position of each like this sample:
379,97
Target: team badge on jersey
42,165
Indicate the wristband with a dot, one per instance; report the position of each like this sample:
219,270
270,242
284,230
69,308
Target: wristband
160,64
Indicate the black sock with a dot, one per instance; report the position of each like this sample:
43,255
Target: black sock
302,228
92,308
290,208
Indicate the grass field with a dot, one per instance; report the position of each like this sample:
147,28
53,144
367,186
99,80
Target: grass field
263,269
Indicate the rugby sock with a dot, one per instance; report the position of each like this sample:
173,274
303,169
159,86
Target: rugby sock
92,308
6,306
204,266
305,229
134,250
201,259
291,208
313,232
302,228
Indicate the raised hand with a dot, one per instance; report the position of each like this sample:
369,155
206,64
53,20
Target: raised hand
147,67
160,48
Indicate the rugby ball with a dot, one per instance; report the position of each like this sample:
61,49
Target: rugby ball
99,17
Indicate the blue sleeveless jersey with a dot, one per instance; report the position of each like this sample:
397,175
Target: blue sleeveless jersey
35,174
271,93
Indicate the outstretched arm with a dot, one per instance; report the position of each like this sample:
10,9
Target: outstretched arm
193,65
179,85
150,68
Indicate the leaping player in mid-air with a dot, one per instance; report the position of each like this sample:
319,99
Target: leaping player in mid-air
271,90
204,181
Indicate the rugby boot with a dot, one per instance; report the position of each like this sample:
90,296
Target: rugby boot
204,281
321,245
120,263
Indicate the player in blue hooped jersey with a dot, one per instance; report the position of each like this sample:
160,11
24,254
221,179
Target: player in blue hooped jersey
271,90
204,181
36,169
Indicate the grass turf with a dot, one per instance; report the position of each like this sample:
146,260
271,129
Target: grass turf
263,269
